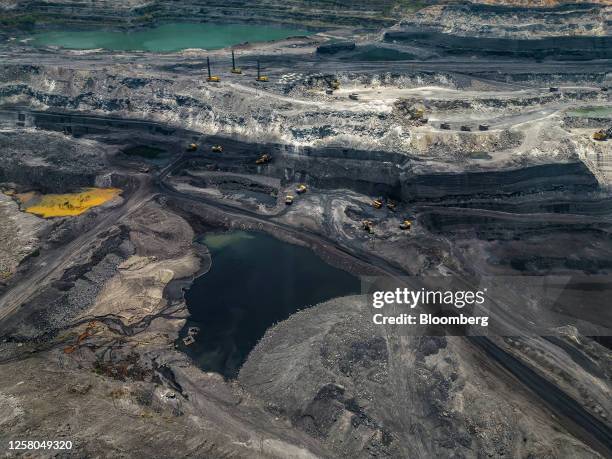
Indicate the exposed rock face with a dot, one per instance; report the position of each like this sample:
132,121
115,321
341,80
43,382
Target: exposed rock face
538,3
49,163
556,48
119,13
296,112
503,19
19,235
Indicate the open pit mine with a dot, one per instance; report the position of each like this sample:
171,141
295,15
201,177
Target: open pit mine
365,229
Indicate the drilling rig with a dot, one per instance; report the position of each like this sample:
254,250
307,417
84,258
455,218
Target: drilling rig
236,70
260,77
211,78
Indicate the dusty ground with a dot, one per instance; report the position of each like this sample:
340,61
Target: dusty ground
369,391
18,235
127,368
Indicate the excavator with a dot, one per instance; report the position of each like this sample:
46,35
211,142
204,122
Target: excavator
236,70
261,78
217,149
391,205
289,199
211,78
332,84
301,189
377,203
406,225
263,159
192,147
600,135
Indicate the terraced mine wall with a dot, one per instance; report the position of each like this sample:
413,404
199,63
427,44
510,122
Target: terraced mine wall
43,179
364,171
548,177
364,176
343,153
523,19
66,170
381,173
533,10
395,180
116,14
78,125
561,48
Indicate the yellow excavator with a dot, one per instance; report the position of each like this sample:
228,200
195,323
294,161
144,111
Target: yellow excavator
600,135
211,78
301,189
333,85
217,149
406,225
289,199
263,159
377,203
236,70
192,147
261,78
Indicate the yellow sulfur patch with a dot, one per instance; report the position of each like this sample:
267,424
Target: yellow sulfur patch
66,205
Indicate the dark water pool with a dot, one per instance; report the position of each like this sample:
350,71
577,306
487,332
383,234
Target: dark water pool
255,281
